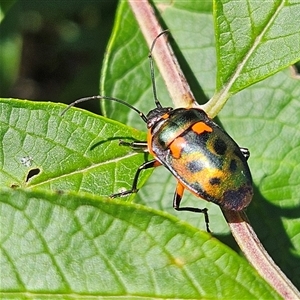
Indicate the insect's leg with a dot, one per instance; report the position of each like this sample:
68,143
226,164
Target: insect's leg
176,204
146,165
135,145
245,152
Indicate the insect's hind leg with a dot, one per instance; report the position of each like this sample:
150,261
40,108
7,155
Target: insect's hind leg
245,152
176,204
146,165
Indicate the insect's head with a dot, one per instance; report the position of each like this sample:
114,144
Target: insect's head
157,114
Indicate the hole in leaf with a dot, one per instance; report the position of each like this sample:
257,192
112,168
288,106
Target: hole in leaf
14,186
295,70
31,173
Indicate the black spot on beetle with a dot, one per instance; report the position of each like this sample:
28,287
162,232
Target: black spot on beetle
194,166
200,139
220,146
215,181
233,166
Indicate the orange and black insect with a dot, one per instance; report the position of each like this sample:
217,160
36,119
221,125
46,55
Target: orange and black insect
204,159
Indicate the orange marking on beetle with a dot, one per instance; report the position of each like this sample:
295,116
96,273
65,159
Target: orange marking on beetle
201,127
176,146
149,142
180,189
165,116
156,164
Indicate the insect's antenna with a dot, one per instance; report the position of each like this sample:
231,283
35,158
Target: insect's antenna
143,117
157,103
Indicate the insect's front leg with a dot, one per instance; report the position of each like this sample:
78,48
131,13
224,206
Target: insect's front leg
135,145
146,165
176,204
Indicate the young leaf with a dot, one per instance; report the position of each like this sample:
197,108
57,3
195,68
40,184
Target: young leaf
254,40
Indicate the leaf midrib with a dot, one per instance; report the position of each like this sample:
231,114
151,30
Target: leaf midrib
219,99
86,169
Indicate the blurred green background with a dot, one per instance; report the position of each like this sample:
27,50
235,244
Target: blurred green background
53,50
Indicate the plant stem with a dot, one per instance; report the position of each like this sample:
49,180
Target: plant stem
163,54
257,255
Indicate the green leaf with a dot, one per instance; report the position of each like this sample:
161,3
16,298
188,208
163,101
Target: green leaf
254,40
65,246
78,151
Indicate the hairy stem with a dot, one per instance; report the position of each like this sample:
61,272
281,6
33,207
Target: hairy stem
168,66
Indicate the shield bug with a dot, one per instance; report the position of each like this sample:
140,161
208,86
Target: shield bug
202,157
